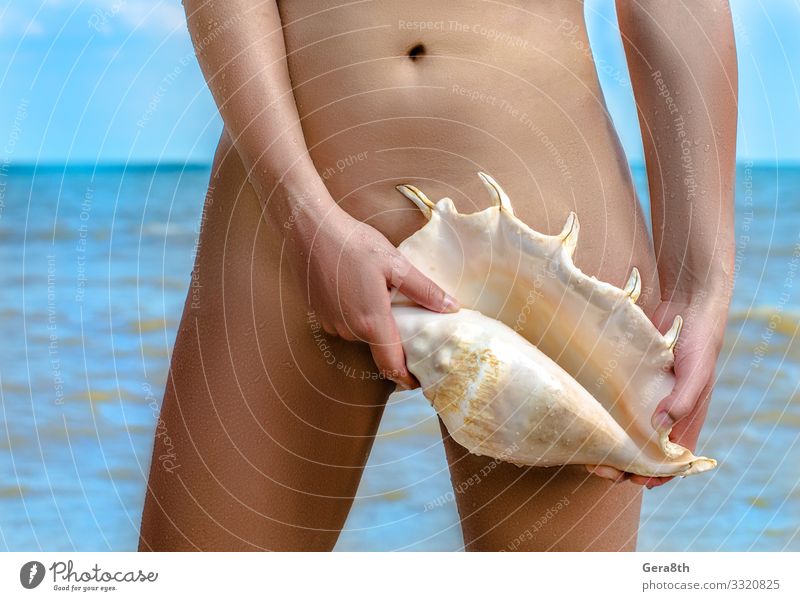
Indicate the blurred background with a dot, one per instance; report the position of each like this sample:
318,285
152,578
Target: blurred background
107,131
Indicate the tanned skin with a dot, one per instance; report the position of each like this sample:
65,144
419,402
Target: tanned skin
328,106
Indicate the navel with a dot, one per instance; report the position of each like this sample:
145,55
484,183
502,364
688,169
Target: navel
416,52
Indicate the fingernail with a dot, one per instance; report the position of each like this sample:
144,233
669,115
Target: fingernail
662,422
399,384
451,305
608,473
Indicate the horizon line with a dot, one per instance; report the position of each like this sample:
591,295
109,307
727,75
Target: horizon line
201,164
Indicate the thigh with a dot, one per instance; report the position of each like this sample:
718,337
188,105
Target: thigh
267,422
507,508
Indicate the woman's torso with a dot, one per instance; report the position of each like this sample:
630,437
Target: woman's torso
429,93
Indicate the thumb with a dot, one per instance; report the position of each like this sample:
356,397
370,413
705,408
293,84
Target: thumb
691,380
389,357
421,289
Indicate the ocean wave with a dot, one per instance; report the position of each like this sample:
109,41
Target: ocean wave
780,319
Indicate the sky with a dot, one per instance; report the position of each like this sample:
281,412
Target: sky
87,81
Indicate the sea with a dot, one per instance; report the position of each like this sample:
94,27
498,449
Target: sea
95,264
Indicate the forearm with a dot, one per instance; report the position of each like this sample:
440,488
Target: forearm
239,45
682,60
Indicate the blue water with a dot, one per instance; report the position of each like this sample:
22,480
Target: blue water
95,268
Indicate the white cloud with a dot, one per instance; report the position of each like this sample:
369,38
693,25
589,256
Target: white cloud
163,15
17,23
123,16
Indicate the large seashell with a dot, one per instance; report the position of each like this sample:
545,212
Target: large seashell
545,365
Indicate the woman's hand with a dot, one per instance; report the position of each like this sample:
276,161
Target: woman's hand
347,269
682,63
696,352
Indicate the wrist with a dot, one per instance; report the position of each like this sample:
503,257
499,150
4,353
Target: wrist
713,298
712,282
295,203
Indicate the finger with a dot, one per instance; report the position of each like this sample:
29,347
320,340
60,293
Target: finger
420,289
344,332
651,482
691,378
607,472
687,431
387,352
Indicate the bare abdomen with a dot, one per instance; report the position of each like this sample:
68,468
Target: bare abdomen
429,93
